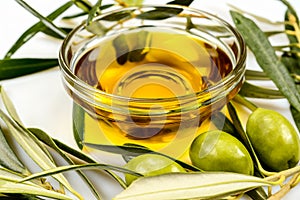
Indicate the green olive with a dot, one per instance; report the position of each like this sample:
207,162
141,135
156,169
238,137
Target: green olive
151,165
219,151
274,139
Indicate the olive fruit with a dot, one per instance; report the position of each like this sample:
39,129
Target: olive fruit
219,151
274,139
151,165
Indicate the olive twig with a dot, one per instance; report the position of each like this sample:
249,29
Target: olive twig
286,173
242,100
285,188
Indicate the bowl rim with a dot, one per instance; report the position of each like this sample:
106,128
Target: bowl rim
236,73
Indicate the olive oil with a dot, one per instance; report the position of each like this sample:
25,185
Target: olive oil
153,70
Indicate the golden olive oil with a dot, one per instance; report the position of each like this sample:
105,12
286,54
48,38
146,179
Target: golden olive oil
147,66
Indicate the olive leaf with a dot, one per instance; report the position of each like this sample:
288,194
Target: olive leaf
250,90
266,57
135,150
78,124
93,12
255,75
222,122
46,138
61,169
84,5
65,151
12,187
32,147
160,13
206,185
47,22
133,2
292,21
51,33
30,144
8,158
33,30
11,68
14,115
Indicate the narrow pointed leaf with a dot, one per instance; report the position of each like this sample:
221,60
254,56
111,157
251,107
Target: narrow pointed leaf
51,33
32,147
78,124
8,158
291,17
94,11
222,122
250,90
29,33
14,115
134,2
11,68
208,185
9,105
61,169
266,58
48,23
84,5
8,175
130,150
10,187
47,139
181,2
255,75
61,148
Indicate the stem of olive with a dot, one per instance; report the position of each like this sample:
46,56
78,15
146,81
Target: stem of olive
242,100
293,21
286,173
285,189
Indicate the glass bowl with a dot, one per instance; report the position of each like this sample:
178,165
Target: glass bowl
150,75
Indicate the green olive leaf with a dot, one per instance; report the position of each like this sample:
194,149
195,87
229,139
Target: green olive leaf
33,30
10,177
206,185
181,2
11,68
293,20
12,187
61,148
255,75
49,141
8,158
222,122
14,115
28,138
78,124
135,150
61,169
93,12
250,90
160,13
84,5
133,2
33,148
47,22
266,57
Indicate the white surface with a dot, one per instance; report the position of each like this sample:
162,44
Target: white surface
40,98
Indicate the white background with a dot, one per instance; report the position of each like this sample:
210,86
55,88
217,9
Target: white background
40,98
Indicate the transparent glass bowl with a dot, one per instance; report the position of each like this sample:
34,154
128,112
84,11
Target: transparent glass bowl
162,123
